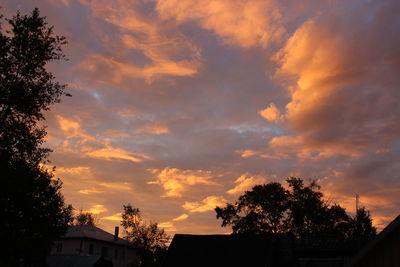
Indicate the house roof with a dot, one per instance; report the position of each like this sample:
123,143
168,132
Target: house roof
218,250
77,261
93,232
257,250
393,226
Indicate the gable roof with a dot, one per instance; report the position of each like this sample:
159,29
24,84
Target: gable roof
394,225
93,232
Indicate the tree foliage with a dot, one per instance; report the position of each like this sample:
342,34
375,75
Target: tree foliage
148,237
27,89
360,224
299,210
33,210
85,218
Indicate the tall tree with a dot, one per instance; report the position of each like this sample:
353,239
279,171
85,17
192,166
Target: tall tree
300,211
33,210
148,237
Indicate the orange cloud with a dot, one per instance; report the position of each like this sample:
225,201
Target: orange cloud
101,187
243,23
247,153
245,182
89,146
111,153
69,126
121,186
90,191
176,181
168,226
181,217
341,83
74,170
156,129
115,217
207,204
119,69
97,209
116,134
145,33
271,113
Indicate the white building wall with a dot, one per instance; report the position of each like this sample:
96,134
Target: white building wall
120,255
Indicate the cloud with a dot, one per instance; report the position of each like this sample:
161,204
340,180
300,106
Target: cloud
245,182
112,153
116,134
94,147
342,81
271,113
207,204
119,186
73,170
102,187
140,31
181,217
97,209
176,181
247,153
115,217
243,23
118,69
156,129
70,127
168,226
90,191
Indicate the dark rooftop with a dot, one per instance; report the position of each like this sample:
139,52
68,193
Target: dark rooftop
93,232
217,250
258,250
77,261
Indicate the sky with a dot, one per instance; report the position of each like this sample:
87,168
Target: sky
179,106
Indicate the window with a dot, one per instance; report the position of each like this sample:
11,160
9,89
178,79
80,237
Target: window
104,251
116,254
59,248
91,249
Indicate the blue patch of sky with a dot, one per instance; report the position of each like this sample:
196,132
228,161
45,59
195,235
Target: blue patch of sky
246,128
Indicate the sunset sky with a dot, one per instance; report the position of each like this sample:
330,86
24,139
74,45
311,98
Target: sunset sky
181,105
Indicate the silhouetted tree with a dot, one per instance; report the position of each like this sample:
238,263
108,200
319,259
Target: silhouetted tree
146,236
85,218
33,211
259,210
360,225
300,211
309,214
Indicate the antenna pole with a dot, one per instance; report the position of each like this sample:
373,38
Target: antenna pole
357,200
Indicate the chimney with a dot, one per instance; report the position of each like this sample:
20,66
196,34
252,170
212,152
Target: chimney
116,233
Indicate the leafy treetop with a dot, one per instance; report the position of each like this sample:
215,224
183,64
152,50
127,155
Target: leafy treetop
151,239
27,88
299,210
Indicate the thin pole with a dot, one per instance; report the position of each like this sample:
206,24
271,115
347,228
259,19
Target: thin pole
357,200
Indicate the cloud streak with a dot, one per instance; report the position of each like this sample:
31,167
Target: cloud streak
176,181
207,204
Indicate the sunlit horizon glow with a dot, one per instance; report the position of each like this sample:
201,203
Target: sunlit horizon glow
182,105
